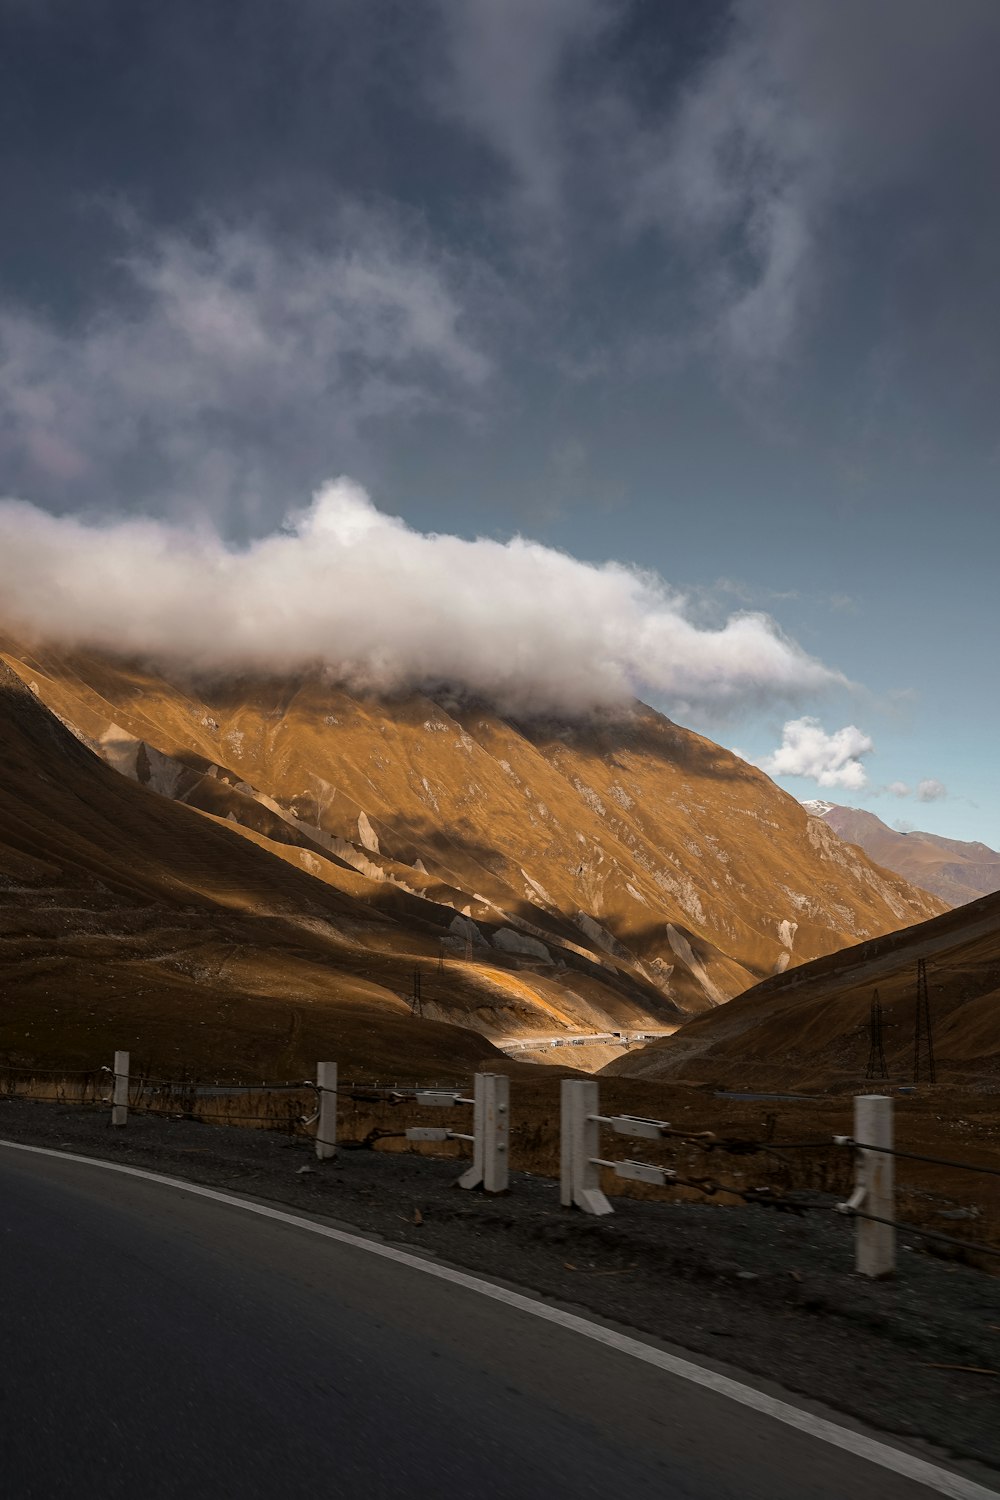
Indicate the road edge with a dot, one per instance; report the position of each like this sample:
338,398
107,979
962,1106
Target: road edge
873,1450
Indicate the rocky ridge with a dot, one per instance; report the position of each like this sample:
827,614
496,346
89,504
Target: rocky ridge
953,870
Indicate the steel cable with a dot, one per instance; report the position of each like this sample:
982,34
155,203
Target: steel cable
934,1161
927,1234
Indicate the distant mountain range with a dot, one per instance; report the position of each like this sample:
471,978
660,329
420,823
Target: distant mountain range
954,871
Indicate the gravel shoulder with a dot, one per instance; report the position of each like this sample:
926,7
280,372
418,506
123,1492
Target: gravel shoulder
773,1295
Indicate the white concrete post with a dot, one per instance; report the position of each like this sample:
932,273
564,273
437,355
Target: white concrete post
579,1144
119,1094
491,1134
875,1244
326,1116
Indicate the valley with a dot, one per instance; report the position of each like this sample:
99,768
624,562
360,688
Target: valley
810,1029
409,866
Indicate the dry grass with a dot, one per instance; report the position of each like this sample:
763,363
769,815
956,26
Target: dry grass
54,1088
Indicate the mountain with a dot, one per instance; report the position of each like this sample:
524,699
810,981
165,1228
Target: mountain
954,871
129,920
809,1028
538,878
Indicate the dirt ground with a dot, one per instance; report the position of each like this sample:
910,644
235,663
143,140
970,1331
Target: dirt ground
770,1293
794,1135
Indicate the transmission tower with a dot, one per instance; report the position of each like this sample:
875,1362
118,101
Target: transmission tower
417,1001
877,1067
922,1034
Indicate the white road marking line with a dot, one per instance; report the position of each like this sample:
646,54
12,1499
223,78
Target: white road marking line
905,1464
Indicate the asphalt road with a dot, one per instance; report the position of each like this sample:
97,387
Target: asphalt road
157,1344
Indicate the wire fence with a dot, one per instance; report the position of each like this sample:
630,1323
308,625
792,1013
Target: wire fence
782,1186
294,1106
936,1161
976,1246
766,1196
294,1110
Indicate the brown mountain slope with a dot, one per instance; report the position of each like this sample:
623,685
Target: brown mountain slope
663,872
952,870
127,919
810,1027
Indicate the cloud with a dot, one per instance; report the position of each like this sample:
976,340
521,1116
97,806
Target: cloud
229,364
928,790
775,166
384,606
828,759
799,119
504,80
902,826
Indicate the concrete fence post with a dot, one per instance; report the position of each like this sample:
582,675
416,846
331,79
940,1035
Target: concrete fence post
119,1093
326,1116
875,1244
579,1145
491,1134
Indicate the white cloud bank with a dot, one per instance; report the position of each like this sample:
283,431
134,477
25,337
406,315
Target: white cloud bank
385,607
828,759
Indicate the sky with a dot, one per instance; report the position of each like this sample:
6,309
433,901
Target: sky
563,349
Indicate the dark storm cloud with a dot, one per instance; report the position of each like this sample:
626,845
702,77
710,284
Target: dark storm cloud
249,245
233,103
833,154
235,364
792,152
